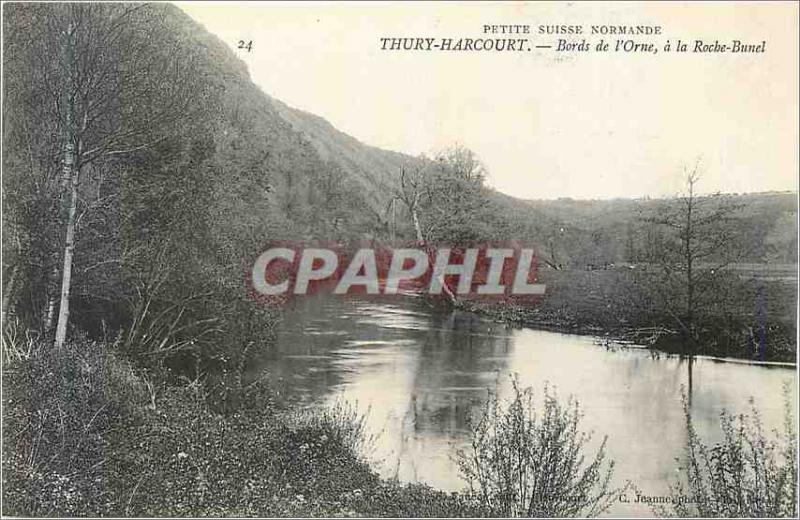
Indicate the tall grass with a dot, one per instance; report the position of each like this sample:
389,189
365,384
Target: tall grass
18,343
341,422
749,474
526,461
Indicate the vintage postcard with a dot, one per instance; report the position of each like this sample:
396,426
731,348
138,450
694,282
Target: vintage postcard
400,259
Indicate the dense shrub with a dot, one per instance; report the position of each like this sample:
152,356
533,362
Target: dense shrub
529,462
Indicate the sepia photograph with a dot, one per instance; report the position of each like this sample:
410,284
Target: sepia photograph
381,259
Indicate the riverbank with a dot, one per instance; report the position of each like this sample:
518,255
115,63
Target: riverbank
87,434
754,320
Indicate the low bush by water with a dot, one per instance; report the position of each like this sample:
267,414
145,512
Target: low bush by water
528,461
749,474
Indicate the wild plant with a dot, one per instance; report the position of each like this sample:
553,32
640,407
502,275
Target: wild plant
525,461
748,474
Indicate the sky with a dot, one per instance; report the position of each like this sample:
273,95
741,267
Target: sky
546,124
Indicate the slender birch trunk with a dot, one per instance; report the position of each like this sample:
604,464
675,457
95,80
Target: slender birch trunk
66,278
52,296
417,227
9,289
70,185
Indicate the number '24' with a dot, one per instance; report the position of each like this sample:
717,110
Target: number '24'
246,45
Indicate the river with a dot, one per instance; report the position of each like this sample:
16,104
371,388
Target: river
418,372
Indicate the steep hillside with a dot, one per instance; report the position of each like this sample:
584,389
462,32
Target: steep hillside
373,167
276,135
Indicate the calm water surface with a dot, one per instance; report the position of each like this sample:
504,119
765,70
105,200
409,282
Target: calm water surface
420,372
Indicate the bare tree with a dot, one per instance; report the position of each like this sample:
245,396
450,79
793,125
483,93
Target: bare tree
412,188
553,233
446,200
696,239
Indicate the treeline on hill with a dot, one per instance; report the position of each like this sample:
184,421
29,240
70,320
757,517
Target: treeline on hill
596,233
695,274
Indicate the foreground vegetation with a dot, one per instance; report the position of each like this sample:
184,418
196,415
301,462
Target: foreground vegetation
749,474
87,434
530,461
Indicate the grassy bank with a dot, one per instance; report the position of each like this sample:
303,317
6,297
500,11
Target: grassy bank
620,304
87,434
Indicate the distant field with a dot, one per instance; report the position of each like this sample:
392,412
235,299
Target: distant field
764,271
617,294
771,272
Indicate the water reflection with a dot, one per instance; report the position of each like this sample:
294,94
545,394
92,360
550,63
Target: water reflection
422,372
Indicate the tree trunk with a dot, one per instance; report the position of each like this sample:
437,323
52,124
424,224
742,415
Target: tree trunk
69,189
9,289
448,292
417,227
422,243
52,295
66,278
689,259
553,262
